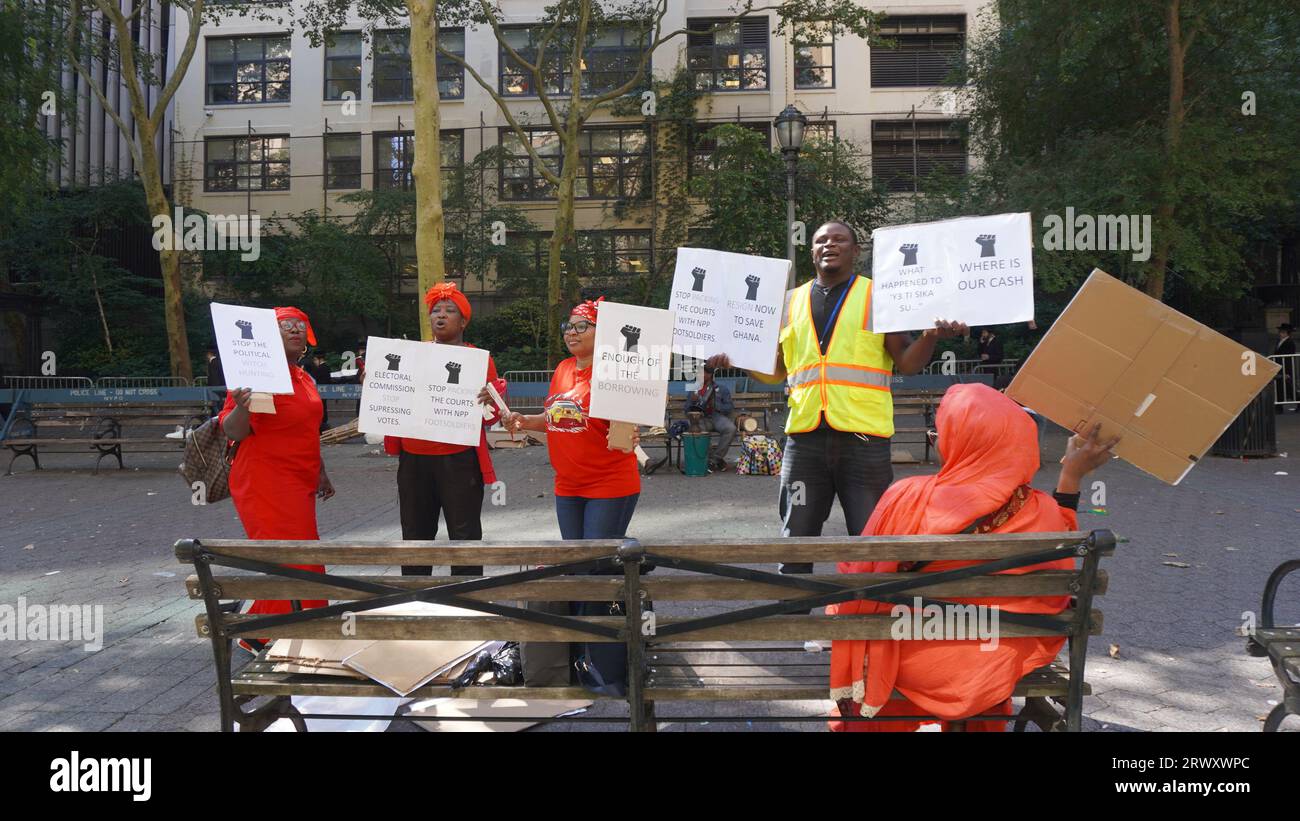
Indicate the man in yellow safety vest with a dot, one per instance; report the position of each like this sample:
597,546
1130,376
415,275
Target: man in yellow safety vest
839,373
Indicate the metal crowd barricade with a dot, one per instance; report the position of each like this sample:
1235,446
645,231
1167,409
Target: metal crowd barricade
48,382
1287,392
142,382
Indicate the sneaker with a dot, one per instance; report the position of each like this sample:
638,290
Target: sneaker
813,646
179,433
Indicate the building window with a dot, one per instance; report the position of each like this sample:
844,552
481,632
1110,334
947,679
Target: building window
342,161
614,164
395,157
814,56
246,163
730,58
926,51
392,58
608,63
248,69
819,131
904,153
614,253
705,144
343,66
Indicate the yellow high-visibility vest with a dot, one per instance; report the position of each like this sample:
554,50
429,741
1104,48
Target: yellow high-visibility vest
851,383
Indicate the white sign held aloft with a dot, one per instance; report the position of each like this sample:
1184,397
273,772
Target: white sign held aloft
252,351
977,270
629,377
423,390
728,303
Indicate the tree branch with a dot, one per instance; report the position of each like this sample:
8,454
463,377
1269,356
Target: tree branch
195,15
93,84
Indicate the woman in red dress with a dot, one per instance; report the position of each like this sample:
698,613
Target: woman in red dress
278,473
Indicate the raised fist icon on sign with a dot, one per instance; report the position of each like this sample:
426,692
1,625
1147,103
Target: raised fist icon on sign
245,328
909,253
985,242
453,373
393,361
698,273
631,334
752,281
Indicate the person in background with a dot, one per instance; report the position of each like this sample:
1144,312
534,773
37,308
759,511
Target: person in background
713,402
990,348
320,371
989,449
278,473
216,379
361,373
435,477
1286,378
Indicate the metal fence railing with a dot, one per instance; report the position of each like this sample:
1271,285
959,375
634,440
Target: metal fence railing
142,382
527,376
964,366
48,382
1287,393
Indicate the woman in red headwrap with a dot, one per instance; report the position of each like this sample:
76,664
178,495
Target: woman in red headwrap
278,474
989,447
435,477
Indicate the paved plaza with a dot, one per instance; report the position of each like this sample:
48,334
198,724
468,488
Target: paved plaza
1169,658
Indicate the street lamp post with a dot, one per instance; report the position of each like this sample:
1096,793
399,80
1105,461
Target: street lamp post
790,125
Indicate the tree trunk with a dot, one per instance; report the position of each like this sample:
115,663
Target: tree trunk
428,153
1164,216
178,344
560,236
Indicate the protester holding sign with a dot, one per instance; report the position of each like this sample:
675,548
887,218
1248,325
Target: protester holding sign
596,488
839,373
434,477
278,474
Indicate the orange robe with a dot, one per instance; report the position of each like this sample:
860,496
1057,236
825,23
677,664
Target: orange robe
276,473
989,447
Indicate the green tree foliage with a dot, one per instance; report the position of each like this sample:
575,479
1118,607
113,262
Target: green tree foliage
744,194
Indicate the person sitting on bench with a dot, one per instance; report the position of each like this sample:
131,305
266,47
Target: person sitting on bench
989,446
713,401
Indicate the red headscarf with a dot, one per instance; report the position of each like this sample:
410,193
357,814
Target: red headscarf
587,309
294,313
447,290
989,446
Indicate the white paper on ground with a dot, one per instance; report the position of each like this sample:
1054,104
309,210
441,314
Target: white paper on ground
728,303
491,708
977,270
252,351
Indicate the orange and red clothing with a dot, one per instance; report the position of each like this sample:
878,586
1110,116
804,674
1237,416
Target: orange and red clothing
989,447
577,444
276,473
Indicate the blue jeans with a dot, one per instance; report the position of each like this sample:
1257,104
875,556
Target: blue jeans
583,518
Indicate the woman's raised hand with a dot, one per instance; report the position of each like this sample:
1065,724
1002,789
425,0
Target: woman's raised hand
1083,455
242,396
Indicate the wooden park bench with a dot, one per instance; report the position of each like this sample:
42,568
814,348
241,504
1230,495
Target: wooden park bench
103,428
1281,646
751,653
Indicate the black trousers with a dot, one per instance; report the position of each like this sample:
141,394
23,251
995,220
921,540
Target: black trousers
824,464
451,485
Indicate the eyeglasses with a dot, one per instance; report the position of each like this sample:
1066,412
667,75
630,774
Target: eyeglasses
293,325
579,327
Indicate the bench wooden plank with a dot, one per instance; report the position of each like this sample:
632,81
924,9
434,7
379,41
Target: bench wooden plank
490,628
804,549
658,587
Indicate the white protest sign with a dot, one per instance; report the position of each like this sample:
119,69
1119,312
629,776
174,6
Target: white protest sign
629,376
422,390
252,351
977,270
728,303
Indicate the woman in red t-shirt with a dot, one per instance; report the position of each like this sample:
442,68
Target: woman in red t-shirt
434,477
278,473
596,488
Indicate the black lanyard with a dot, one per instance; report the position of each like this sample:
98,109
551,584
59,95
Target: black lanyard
829,327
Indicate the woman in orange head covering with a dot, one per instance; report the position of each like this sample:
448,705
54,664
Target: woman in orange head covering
278,473
989,447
